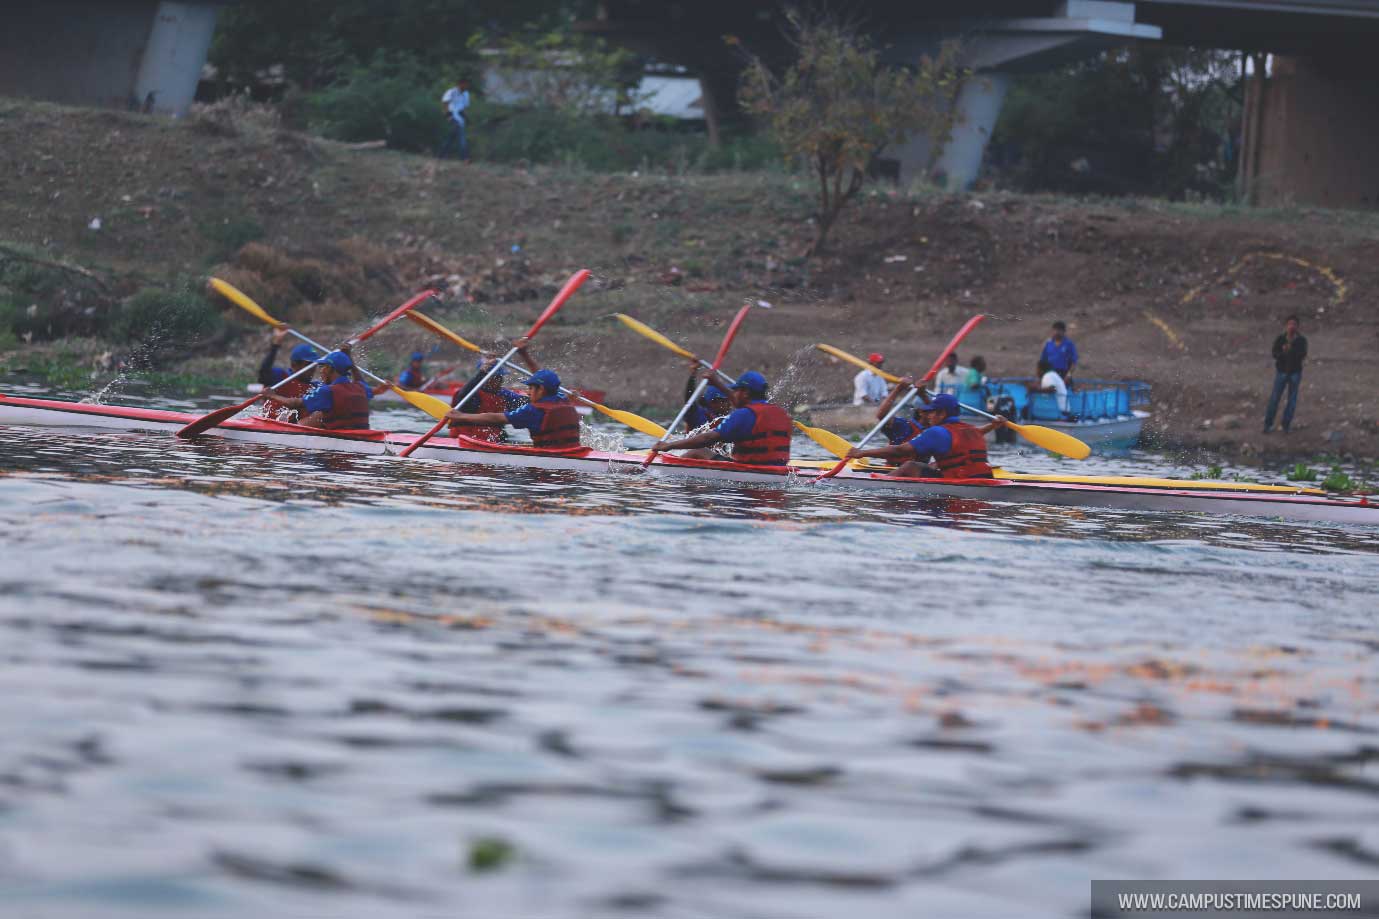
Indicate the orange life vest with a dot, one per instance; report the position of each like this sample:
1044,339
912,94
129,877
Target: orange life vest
559,424
769,442
481,402
349,408
967,459
292,389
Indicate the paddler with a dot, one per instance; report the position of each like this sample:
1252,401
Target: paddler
899,429
713,403
548,417
758,430
957,448
492,399
301,356
340,402
414,376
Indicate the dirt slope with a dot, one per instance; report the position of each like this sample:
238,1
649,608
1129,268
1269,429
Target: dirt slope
1188,298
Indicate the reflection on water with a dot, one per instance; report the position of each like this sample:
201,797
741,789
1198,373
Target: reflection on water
241,680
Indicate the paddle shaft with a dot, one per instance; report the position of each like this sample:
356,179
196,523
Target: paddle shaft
444,421
900,403
373,376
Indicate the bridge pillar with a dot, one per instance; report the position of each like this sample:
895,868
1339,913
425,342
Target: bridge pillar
1311,130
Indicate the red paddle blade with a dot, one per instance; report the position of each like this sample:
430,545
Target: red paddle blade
731,334
832,472
572,285
215,418
411,304
952,346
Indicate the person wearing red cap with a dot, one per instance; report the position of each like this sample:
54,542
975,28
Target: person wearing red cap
958,449
868,388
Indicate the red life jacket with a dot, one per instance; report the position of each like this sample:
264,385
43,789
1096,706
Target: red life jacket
967,459
349,408
769,442
292,389
481,402
559,424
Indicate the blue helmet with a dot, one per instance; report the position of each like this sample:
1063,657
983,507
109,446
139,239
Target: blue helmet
753,382
943,402
546,379
338,361
304,354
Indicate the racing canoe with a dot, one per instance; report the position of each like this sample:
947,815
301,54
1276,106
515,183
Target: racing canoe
1130,494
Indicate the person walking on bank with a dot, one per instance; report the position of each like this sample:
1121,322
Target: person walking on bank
456,103
1059,351
1290,350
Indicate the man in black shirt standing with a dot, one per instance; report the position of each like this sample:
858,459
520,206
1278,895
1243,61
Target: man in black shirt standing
1290,350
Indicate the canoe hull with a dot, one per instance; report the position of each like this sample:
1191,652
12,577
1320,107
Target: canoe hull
1311,508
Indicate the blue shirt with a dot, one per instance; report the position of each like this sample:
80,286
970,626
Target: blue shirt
457,100
934,441
320,399
1060,357
410,379
526,417
700,413
738,424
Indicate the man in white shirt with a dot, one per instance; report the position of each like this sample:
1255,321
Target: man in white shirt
1051,381
455,101
867,387
952,376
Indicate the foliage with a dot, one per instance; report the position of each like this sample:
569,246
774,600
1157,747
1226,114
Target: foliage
837,107
230,234
490,853
389,98
1338,480
1211,472
1145,120
314,43
172,318
1301,472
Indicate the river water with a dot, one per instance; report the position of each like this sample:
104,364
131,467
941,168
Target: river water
248,681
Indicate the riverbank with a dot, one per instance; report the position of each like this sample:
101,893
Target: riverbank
101,205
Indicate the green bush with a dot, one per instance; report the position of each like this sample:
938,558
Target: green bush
230,234
176,318
390,98
1301,472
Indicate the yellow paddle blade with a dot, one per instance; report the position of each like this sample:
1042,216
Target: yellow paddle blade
1137,481
436,408
240,299
642,328
1051,440
634,421
427,322
857,361
826,439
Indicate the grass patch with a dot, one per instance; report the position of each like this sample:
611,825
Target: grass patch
1301,472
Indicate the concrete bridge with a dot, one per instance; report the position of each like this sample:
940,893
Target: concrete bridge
140,54
1312,120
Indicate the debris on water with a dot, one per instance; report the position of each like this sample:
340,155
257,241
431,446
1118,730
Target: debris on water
490,853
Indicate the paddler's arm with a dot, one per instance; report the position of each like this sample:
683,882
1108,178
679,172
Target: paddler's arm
266,375
703,439
998,422
521,345
898,453
477,417
715,377
886,403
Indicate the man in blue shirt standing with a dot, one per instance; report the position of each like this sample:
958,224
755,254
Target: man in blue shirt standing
456,104
1059,351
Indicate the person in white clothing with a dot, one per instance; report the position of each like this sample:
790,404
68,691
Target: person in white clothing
456,102
952,376
1051,381
868,388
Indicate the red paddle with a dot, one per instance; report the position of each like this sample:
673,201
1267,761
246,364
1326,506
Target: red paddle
572,285
220,415
717,361
920,384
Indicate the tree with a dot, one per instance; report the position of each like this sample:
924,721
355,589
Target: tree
838,106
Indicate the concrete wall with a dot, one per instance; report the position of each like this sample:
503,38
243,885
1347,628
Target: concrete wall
105,53
1317,138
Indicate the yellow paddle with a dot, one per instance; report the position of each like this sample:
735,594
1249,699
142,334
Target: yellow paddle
1037,434
432,406
636,422
826,439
